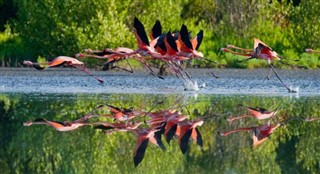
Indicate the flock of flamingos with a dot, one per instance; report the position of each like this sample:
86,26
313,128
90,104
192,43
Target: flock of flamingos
150,126
173,49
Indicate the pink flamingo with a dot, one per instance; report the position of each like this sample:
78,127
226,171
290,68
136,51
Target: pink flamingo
260,51
59,61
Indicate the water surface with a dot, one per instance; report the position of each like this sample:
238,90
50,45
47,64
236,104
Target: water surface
293,148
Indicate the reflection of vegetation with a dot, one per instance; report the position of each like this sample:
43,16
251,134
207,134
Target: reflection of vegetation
39,149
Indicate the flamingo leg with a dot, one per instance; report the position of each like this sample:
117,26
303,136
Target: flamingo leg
148,67
289,90
269,74
204,61
84,69
128,70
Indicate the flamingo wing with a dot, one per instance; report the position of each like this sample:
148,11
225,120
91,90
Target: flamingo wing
103,52
140,32
104,127
196,136
140,150
160,45
156,139
196,41
114,109
170,132
185,39
170,44
184,141
156,30
263,110
57,62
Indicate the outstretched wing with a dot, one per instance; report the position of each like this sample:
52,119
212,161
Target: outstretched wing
140,32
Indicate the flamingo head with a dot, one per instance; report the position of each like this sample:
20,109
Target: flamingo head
27,62
197,54
308,50
79,55
224,49
88,50
28,123
230,46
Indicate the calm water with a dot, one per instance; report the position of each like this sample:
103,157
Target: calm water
293,148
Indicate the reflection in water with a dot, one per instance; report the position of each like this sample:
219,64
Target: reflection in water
177,125
260,133
39,149
258,113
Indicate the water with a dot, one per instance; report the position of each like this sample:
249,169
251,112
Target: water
65,95
230,81
41,149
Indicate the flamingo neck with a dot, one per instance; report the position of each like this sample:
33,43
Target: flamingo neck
235,130
238,48
237,53
236,118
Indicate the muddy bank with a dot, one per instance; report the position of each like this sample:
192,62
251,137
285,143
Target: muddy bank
230,81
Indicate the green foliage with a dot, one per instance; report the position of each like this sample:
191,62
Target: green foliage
52,28
12,49
309,60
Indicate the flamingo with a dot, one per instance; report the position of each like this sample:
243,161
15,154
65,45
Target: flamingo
59,126
121,127
121,114
59,61
260,133
120,53
260,51
258,113
309,50
188,48
144,47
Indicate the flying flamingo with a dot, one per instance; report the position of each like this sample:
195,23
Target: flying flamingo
260,133
120,53
121,114
260,51
309,50
145,48
188,48
62,126
62,60
258,113
121,127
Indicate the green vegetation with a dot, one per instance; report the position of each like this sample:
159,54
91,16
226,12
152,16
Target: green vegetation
293,148
51,28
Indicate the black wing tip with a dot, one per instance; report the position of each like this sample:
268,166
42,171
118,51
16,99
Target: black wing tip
103,127
184,142
140,30
137,159
199,138
199,39
185,36
171,41
39,119
171,133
